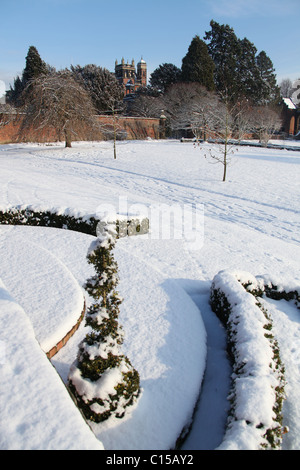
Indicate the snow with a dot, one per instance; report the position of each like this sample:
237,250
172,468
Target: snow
289,103
53,307
248,224
286,326
2,88
32,392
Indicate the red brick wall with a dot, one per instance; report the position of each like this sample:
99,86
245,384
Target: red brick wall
131,128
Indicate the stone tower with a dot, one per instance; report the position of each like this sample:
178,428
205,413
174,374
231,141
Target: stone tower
130,78
142,72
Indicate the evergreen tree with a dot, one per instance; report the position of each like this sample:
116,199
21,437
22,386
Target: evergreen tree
247,71
102,86
239,71
269,90
13,96
224,49
34,67
197,65
164,76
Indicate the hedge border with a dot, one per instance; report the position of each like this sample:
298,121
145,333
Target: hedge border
84,223
59,218
221,306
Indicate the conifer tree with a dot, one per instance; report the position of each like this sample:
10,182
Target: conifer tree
239,71
34,67
164,76
247,71
102,380
223,47
13,96
269,92
102,86
197,65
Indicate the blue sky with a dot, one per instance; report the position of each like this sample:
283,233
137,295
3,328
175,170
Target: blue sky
82,32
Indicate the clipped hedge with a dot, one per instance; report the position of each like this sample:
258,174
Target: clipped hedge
70,220
102,380
258,382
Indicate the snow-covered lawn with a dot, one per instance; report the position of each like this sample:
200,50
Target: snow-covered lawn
249,223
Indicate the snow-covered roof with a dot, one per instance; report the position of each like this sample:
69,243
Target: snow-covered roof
289,103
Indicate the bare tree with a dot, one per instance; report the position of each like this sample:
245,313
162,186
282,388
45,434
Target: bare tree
198,114
106,94
7,114
147,106
115,107
178,101
265,123
223,125
242,112
286,88
229,123
192,107
57,101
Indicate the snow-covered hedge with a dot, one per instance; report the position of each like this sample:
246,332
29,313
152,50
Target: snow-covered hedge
102,380
66,218
257,392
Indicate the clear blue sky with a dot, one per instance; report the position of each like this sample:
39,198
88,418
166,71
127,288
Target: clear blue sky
82,32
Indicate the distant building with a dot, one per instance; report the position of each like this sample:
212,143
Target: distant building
291,117
129,77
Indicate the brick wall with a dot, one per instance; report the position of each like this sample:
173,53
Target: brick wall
131,128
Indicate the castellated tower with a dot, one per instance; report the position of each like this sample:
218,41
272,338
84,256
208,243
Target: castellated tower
142,72
130,77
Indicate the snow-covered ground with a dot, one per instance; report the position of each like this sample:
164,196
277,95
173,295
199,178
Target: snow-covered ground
250,223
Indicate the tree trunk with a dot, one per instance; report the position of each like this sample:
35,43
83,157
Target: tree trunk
115,133
224,173
68,138
225,158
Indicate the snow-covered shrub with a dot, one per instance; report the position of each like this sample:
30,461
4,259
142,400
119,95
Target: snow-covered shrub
57,218
66,218
279,293
257,392
102,380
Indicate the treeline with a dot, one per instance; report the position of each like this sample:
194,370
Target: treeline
220,62
224,88
223,63
99,83
66,101
222,79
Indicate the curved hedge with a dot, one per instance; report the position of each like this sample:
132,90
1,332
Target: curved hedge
68,219
258,381
102,380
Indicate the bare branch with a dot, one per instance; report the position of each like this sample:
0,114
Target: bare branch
57,101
